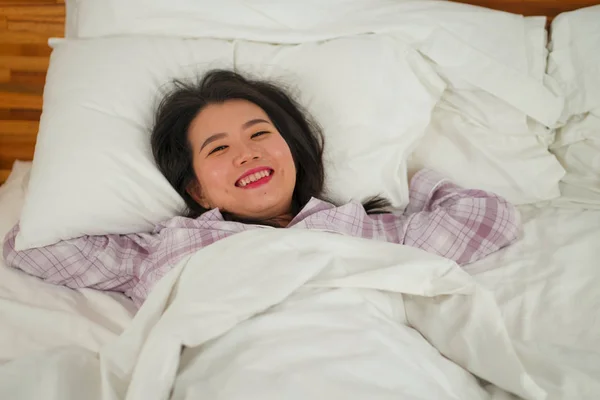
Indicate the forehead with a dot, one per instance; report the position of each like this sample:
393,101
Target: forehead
227,117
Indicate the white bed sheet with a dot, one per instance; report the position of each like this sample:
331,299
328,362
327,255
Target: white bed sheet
36,316
546,285
206,307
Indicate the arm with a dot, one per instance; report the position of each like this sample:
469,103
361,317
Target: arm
101,262
464,225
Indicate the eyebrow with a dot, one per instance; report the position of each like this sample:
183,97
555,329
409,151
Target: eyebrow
221,135
253,122
213,138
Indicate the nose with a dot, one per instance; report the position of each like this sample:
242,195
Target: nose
246,154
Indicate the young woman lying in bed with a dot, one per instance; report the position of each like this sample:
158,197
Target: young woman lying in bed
243,156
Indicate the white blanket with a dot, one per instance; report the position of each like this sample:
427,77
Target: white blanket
272,314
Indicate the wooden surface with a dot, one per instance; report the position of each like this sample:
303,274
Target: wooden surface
548,8
26,25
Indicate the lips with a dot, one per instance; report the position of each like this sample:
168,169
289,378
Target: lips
255,177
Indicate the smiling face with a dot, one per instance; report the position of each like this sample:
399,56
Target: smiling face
242,163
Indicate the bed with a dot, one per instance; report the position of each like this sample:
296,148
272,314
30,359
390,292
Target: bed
516,112
28,25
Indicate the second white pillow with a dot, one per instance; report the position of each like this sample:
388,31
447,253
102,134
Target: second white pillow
93,171
373,96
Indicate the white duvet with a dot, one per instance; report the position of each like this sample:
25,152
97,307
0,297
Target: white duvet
273,314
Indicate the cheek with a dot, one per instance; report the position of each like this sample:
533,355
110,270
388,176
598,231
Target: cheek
283,154
212,176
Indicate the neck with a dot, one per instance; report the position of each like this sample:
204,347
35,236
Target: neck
281,221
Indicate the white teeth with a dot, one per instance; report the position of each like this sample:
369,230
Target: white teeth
254,177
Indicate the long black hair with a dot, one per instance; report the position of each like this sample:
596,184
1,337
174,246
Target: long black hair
173,153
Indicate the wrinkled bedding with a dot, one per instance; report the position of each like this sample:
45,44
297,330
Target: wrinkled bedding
278,314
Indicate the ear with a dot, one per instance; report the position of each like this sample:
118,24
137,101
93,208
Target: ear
195,192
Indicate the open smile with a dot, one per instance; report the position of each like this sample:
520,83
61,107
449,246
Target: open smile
255,178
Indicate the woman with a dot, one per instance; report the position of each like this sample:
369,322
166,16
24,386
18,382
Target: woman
243,156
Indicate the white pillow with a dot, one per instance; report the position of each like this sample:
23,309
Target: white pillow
285,21
574,61
37,316
510,161
71,16
93,166
484,132
373,95
291,21
482,51
93,172
574,66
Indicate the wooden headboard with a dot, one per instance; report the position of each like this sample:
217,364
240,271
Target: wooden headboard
548,8
26,25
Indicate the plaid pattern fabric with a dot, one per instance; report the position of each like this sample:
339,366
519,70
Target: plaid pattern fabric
442,218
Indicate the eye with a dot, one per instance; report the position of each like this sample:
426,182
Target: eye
257,134
216,149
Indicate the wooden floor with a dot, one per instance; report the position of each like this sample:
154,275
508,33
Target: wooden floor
25,27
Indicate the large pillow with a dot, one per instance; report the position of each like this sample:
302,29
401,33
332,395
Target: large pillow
494,63
93,172
492,32
508,160
574,66
292,21
71,15
372,94
37,316
574,59
489,130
